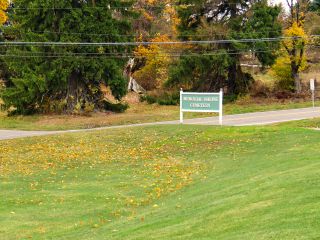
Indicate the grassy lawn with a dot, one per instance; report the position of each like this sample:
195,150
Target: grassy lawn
137,113
165,182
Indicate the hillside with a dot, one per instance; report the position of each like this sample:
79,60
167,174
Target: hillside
168,182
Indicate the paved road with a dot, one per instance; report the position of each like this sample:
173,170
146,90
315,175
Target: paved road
261,118
247,119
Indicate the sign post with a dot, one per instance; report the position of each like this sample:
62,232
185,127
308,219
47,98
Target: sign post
201,102
312,88
181,111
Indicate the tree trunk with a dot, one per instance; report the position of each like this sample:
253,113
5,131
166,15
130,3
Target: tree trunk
232,78
237,82
296,78
232,70
72,93
297,83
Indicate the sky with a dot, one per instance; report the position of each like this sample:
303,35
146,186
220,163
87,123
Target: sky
279,1
284,3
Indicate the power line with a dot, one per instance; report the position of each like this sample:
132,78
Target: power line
30,54
88,7
123,7
134,35
252,40
136,54
122,56
82,7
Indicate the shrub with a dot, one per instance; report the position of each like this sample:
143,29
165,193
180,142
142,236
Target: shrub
115,107
282,71
260,89
161,98
230,98
88,108
169,99
148,99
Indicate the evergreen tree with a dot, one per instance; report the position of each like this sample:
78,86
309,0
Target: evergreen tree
65,78
237,19
315,6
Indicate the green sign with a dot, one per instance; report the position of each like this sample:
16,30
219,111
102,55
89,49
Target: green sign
201,102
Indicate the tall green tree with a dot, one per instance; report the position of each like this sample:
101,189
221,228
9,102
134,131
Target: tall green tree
65,78
315,6
231,20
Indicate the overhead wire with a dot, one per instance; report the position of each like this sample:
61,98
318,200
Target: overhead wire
131,6
142,43
125,56
134,35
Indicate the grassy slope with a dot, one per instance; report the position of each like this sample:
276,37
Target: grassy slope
138,113
168,182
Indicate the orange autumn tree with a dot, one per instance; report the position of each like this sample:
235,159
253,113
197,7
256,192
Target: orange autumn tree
4,4
294,56
296,40
155,59
155,71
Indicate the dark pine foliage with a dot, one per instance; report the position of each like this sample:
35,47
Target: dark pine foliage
218,65
65,78
315,6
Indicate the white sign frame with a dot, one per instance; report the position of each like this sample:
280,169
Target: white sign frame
313,89
312,85
220,111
